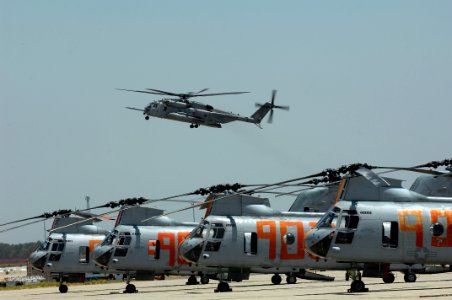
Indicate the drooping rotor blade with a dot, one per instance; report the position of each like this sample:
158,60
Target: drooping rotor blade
21,225
415,169
46,215
436,164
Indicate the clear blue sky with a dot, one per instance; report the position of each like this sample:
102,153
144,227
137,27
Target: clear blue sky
367,81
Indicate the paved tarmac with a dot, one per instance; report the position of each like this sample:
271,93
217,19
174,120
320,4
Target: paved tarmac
437,286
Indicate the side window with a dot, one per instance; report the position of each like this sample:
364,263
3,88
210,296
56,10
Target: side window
250,239
349,221
120,252
154,249
212,246
58,246
390,234
84,254
124,239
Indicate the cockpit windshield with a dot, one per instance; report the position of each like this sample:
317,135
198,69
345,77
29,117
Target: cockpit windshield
216,231
200,230
327,221
124,239
109,239
44,246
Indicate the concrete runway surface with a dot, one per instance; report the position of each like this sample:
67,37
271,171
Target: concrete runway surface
437,286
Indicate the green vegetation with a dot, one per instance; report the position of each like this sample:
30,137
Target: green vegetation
9,253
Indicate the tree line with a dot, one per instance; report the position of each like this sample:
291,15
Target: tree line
17,251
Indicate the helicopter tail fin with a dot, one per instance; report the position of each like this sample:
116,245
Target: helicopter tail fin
262,111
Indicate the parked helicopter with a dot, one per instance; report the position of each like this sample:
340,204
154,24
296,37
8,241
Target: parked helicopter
376,222
184,110
148,248
270,241
68,252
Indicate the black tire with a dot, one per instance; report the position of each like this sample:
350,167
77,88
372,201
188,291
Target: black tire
290,279
389,279
204,279
223,287
357,286
147,118
276,279
410,277
63,288
130,289
192,280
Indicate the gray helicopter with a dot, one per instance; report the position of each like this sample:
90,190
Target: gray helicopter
183,109
68,252
376,222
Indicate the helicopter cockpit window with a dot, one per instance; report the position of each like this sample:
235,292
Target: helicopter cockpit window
327,221
58,245
349,221
199,231
44,246
217,231
124,239
109,239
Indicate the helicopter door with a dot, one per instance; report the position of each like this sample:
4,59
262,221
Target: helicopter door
250,239
84,254
390,235
56,250
154,249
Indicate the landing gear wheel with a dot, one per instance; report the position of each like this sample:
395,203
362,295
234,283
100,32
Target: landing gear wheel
196,125
204,279
290,279
223,287
147,118
63,288
410,277
389,279
358,286
276,279
192,280
191,125
347,276
130,289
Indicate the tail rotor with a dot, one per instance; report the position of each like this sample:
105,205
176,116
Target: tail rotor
271,105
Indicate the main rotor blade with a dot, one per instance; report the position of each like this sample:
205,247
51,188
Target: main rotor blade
138,91
203,90
166,93
273,97
217,94
415,169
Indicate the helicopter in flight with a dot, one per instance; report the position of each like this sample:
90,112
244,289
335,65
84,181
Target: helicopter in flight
375,220
181,108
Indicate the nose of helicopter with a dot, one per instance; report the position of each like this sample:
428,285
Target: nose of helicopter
38,259
102,255
318,241
191,249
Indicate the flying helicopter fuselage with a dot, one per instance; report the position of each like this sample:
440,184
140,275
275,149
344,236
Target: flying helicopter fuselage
196,113
192,112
